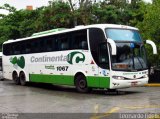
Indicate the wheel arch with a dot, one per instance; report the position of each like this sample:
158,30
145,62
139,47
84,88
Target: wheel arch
79,73
82,89
27,77
21,72
15,77
15,72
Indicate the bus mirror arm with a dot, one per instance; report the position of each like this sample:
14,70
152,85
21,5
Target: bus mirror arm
113,46
153,46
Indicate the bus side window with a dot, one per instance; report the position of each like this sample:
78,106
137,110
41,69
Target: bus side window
63,42
103,56
56,44
83,45
79,40
96,37
12,50
64,46
36,46
7,49
49,45
16,49
22,47
28,47
33,46
41,45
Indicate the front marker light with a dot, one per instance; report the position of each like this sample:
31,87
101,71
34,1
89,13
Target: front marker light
118,77
145,76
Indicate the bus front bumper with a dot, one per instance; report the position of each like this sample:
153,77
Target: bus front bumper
115,84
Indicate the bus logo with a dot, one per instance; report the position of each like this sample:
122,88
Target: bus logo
134,76
75,57
18,61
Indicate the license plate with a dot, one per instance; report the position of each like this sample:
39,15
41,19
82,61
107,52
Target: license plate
134,84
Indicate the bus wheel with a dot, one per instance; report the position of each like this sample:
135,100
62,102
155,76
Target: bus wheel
22,78
81,84
112,90
15,78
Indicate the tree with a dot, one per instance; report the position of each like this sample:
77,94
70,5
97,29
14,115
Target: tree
150,27
8,8
17,24
81,11
103,13
57,14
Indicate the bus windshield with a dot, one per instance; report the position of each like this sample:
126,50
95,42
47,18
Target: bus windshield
130,56
123,35
131,53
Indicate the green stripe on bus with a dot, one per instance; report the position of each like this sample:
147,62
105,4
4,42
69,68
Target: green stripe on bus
55,79
98,82
92,81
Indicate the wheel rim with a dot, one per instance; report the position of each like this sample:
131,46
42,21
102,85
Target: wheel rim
82,84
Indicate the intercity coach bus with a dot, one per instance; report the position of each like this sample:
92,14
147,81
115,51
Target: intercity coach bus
104,56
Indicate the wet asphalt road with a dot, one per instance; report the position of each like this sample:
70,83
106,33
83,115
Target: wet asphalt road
38,98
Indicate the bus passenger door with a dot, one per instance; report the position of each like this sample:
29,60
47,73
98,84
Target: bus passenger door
103,60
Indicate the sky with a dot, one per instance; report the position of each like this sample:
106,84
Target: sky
21,4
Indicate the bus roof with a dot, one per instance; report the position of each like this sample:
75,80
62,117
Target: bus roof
63,30
48,31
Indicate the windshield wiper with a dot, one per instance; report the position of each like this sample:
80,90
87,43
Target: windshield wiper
140,62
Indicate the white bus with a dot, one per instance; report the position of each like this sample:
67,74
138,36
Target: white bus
103,56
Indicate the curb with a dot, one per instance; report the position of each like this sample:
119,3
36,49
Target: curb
152,85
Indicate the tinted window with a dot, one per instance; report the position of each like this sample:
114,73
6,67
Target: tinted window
103,59
23,47
65,41
79,40
49,45
36,46
28,47
123,35
6,49
33,46
96,38
15,51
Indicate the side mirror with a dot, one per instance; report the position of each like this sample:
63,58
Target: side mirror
153,46
113,46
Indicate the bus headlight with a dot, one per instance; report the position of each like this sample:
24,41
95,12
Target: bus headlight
118,77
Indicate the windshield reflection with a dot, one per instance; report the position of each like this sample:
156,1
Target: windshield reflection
123,35
129,58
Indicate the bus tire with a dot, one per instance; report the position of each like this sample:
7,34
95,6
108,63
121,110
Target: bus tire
22,78
81,84
112,90
15,78
2,79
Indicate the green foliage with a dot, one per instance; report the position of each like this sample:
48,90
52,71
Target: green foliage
8,8
59,14
149,27
105,14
